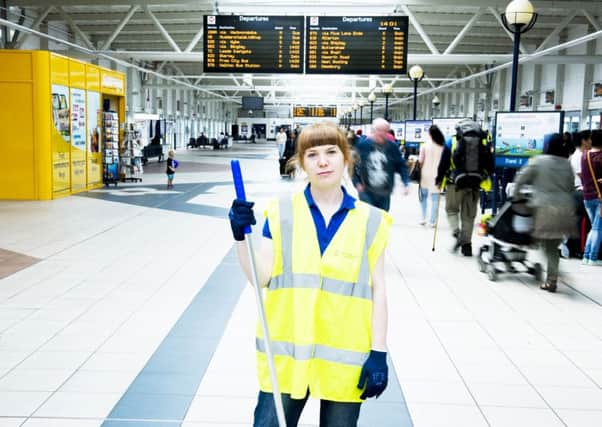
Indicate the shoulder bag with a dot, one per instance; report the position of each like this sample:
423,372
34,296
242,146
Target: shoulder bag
591,170
415,172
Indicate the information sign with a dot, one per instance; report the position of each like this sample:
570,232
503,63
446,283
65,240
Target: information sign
356,44
447,126
253,44
519,136
314,111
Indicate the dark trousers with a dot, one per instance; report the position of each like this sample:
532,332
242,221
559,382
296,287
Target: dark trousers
382,202
332,414
550,249
461,209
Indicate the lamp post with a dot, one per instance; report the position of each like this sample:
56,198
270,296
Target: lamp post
362,105
348,112
371,98
436,102
518,18
355,107
416,74
387,90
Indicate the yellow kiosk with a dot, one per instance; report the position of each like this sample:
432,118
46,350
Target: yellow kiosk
51,122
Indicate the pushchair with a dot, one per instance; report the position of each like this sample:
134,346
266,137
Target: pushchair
509,238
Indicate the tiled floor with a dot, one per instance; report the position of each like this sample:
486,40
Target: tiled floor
130,311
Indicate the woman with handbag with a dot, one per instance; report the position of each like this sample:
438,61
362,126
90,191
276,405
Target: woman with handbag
551,178
591,177
428,161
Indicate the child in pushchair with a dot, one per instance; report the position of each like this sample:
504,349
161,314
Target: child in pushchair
509,238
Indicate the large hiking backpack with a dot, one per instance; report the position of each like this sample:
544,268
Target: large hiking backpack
469,154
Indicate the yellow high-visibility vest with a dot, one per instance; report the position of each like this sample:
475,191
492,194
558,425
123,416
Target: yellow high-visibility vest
319,307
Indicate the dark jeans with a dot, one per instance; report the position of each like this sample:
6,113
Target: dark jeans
375,200
332,414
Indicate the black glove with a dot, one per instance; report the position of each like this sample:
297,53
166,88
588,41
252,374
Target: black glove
241,215
374,375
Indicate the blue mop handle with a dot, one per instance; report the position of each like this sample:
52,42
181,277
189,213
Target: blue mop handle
239,185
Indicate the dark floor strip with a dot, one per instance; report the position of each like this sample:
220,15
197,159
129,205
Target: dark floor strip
163,391
166,386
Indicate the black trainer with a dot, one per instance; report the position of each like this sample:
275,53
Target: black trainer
467,249
457,243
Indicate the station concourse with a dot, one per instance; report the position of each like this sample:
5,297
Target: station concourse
122,302
133,311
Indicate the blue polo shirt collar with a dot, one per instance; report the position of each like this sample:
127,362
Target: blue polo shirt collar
348,202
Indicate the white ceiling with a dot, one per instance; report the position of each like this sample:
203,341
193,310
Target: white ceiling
166,35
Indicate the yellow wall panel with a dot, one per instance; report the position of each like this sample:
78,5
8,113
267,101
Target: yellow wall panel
77,74
92,78
50,140
61,164
42,116
94,170
112,82
59,70
94,138
16,66
16,144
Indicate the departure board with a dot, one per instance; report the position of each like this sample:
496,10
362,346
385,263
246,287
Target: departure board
253,44
356,45
314,111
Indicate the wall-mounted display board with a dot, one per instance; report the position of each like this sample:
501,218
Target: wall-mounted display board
519,136
400,130
447,125
314,111
253,44
356,44
417,132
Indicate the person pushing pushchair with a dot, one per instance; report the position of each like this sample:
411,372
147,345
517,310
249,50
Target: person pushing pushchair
551,180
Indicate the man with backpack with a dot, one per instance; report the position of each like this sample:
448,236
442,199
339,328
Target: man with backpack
466,162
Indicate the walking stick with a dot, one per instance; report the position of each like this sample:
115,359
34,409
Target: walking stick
436,221
240,194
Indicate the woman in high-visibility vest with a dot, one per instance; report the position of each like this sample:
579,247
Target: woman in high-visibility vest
321,262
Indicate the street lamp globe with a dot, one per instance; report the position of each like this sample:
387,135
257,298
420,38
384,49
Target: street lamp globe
519,13
387,89
416,73
372,97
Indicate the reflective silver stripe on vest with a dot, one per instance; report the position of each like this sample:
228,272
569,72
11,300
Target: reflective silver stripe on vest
374,218
307,352
288,279
312,281
286,234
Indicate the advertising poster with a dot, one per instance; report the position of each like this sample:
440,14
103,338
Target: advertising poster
78,139
93,122
60,110
61,146
78,118
400,130
447,125
519,136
